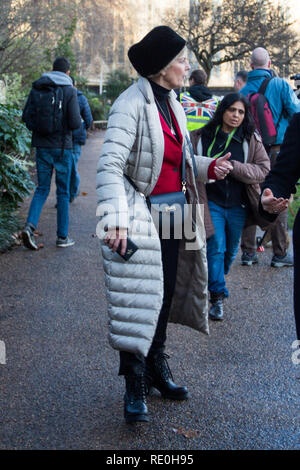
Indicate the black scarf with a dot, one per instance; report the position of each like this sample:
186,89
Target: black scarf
161,95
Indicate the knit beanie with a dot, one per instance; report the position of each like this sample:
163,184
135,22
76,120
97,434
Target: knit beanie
156,50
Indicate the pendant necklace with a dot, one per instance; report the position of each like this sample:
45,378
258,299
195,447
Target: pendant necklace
168,121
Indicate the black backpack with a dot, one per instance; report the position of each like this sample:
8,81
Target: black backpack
43,112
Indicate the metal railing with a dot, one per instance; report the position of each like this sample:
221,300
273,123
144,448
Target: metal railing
99,124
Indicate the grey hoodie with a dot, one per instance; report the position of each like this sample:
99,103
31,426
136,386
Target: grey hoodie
59,78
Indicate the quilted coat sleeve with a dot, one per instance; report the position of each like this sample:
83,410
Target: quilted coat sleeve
118,142
202,164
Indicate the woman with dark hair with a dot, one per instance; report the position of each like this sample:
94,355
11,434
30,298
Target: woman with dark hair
229,201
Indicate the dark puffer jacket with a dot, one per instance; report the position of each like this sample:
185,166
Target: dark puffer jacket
79,135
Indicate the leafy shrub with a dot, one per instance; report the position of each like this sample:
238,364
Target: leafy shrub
15,138
14,90
116,82
15,181
98,107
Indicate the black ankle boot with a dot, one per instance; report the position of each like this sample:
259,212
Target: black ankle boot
160,377
216,311
135,408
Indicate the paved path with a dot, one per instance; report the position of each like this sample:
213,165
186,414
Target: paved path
59,386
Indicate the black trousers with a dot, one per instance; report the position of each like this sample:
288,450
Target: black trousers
296,245
135,363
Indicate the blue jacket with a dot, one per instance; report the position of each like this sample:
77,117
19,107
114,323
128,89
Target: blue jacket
79,136
281,98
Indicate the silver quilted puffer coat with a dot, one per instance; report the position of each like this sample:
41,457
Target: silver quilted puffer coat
134,145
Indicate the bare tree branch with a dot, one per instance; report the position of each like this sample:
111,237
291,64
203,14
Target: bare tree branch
27,28
231,30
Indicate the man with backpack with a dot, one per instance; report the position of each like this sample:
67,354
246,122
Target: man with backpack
273,104
51,113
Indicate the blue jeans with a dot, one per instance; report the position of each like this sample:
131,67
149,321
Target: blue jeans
223,246
75,178
48,159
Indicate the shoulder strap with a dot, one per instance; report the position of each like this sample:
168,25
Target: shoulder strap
192,154
262,90
264,85
183,165
132,183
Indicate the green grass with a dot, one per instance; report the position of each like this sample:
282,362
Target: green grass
294,207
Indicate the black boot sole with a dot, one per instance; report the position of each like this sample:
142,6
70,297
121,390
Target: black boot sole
136,418
215,318
170,396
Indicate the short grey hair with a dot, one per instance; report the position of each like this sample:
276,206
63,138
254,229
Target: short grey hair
260,57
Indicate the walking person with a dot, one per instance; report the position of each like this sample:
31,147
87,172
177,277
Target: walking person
283,104
52,112
79,139
232,200
276,191
165,279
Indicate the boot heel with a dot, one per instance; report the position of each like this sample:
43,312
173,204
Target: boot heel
158,369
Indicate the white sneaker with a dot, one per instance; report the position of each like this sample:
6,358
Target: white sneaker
28,238
64,242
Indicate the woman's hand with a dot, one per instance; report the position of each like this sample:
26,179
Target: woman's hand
271,203
114,237
223,167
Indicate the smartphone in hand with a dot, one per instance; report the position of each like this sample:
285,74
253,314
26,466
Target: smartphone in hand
130,249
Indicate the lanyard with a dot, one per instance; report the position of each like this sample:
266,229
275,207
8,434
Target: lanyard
226,145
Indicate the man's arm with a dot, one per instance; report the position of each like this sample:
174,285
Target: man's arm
286,171
280,182
86,113
291,104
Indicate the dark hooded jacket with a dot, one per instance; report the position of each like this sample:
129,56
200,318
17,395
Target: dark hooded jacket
199,92
71,113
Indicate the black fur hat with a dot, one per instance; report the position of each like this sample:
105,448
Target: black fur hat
156,50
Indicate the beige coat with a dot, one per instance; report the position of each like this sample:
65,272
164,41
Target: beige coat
134,145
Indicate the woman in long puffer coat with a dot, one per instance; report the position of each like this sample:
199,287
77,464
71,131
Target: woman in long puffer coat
166,278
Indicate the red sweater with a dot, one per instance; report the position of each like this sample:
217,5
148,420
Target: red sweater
169,180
